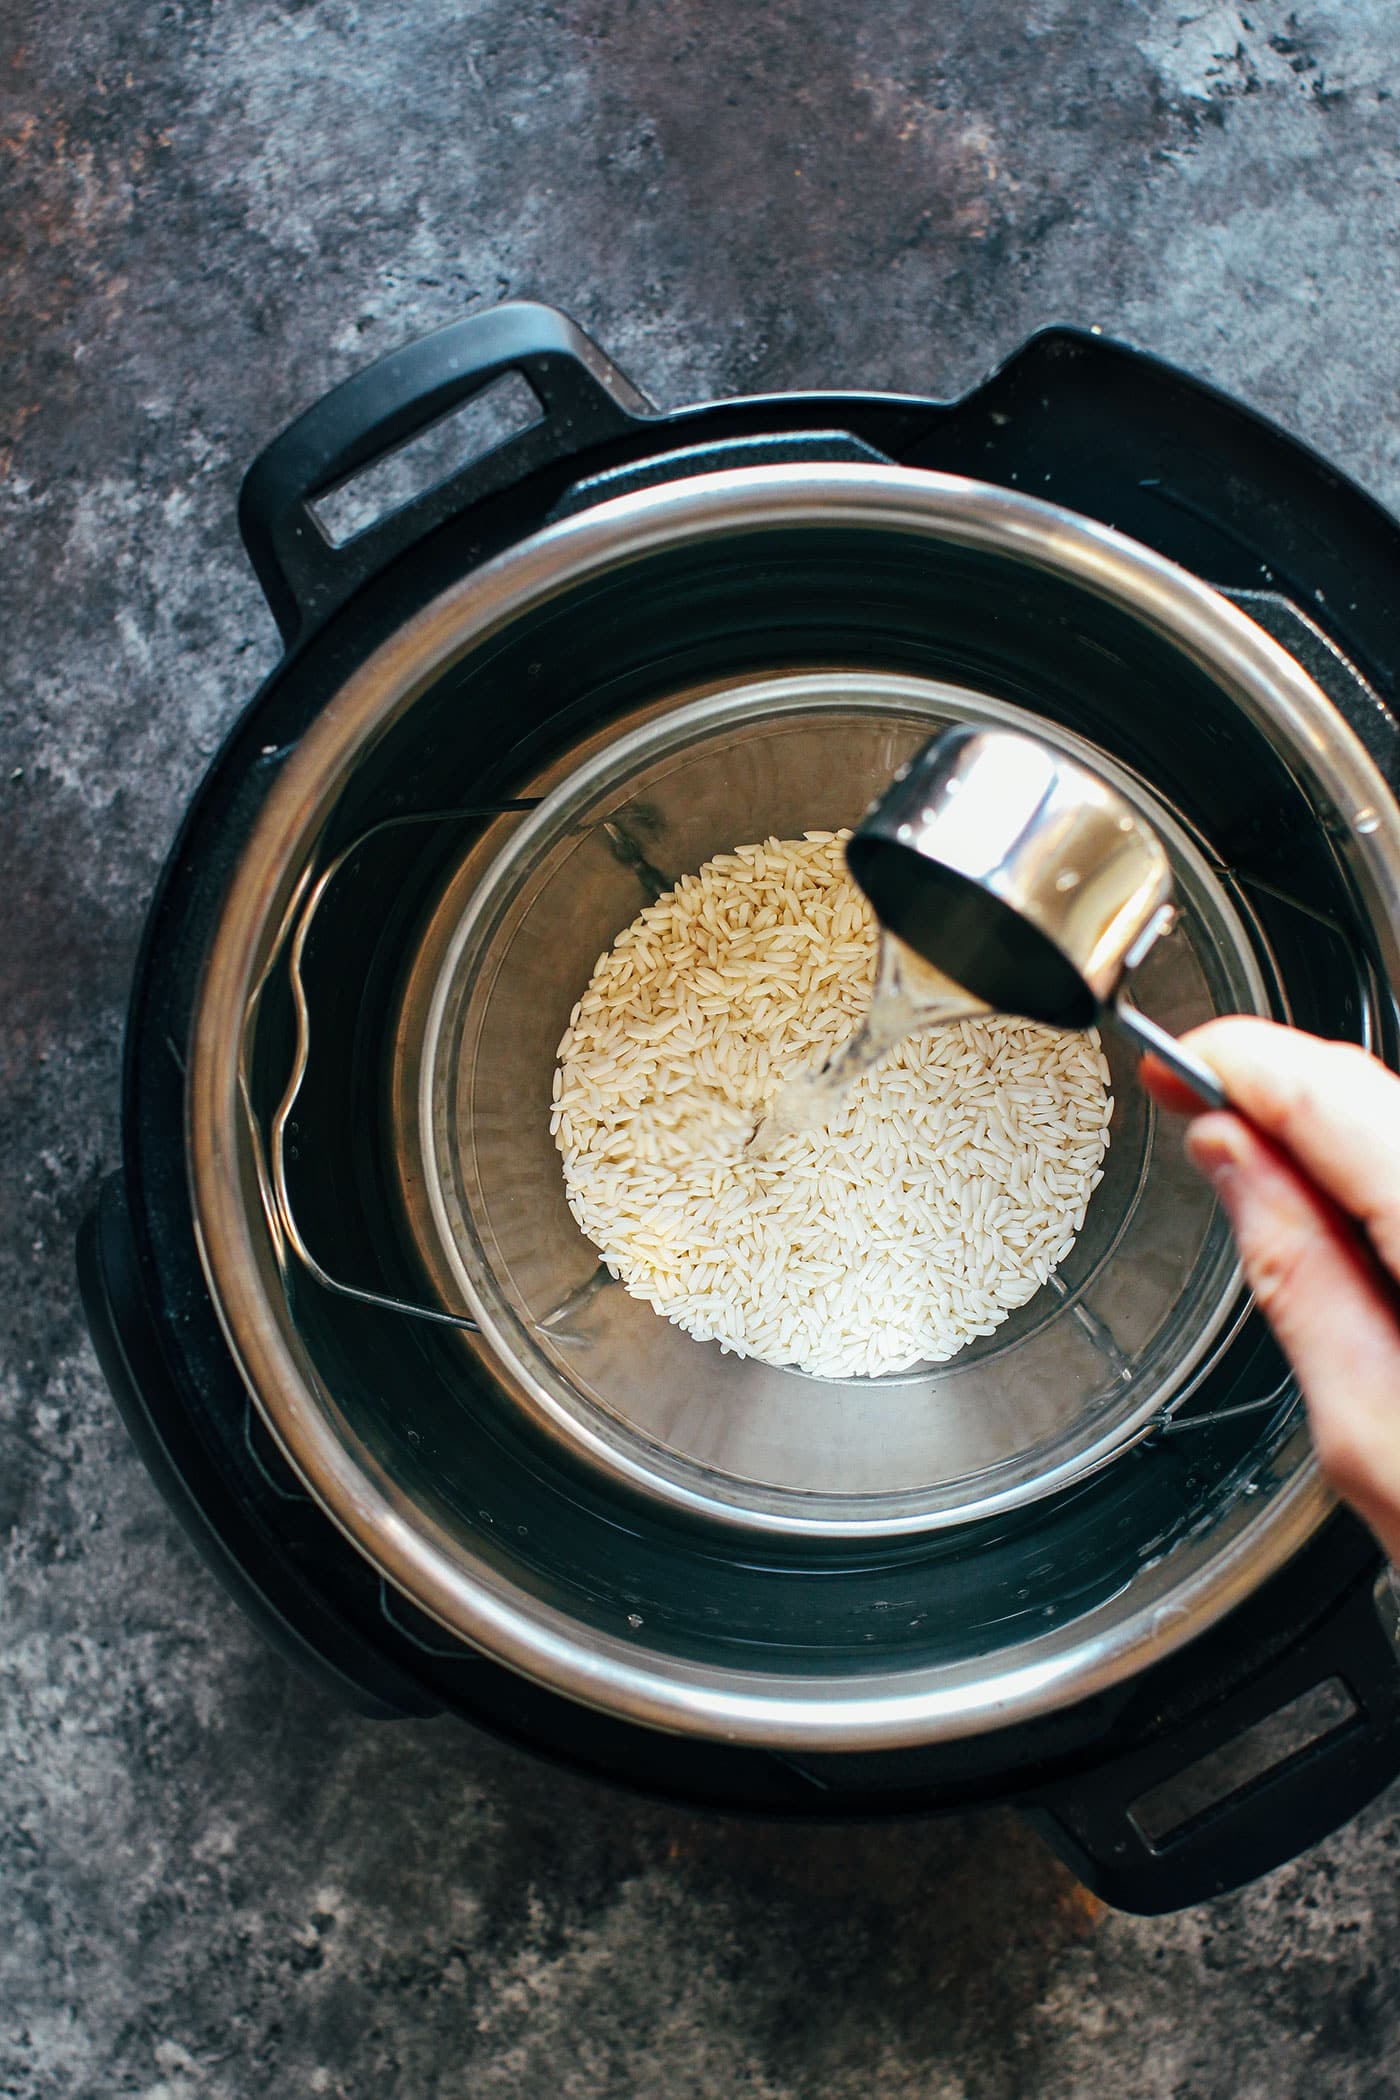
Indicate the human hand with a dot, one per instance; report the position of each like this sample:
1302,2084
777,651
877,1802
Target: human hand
1311,1186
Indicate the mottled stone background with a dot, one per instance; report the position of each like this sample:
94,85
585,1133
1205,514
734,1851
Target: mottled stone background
213,1885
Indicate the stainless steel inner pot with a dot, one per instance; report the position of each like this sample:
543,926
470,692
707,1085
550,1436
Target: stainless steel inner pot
1126,1327
642,1471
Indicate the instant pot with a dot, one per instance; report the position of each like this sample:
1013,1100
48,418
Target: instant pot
435,1452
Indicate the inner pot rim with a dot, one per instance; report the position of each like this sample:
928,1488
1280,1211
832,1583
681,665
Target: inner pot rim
1179,1597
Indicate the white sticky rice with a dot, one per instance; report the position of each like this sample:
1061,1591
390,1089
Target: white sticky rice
948,1186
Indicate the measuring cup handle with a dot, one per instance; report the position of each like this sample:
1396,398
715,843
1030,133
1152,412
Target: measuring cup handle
1179,1061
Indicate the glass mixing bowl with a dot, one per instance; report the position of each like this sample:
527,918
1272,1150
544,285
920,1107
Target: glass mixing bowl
1127,1326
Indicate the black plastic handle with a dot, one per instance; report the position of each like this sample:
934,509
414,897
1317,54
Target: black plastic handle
584,401
264,1580
1089,1820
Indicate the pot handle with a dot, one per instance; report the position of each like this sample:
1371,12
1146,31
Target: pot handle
583,399
1099,1824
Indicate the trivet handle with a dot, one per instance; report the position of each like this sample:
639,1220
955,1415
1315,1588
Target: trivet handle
584,401
1097,1820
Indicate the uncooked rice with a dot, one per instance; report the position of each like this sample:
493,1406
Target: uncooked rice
941,1195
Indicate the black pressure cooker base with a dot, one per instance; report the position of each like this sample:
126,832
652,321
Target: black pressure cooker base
1097,427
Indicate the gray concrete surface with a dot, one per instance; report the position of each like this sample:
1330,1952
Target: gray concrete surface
214,1886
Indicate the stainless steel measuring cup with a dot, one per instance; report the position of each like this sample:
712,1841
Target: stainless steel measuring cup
1026,878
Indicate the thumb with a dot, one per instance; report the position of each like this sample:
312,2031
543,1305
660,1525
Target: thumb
1333,1312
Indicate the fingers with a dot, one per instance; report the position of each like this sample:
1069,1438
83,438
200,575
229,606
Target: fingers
1332,1310
1321,1146
1333,1107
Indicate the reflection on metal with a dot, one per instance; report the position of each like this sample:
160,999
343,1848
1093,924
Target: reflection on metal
626,849
556,1323
1015,869
1098,1331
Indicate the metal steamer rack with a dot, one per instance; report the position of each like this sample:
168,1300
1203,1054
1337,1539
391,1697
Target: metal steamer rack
277,1145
